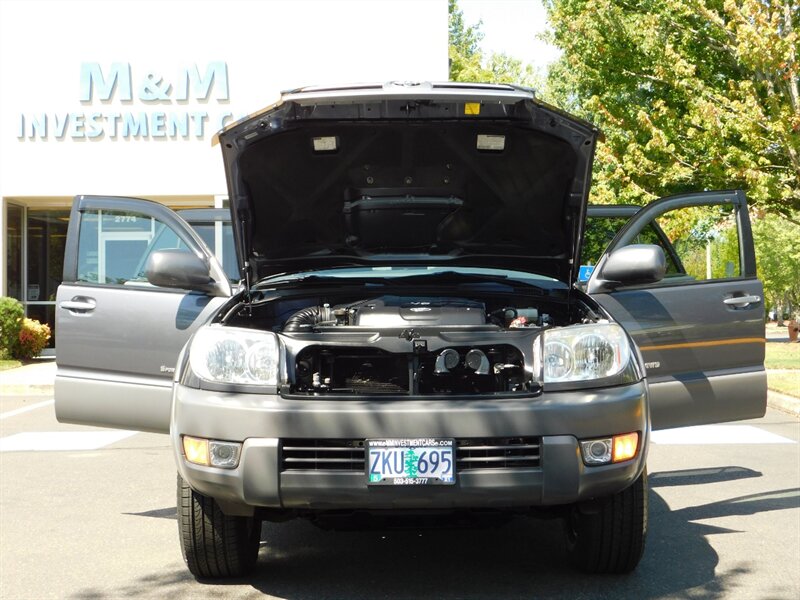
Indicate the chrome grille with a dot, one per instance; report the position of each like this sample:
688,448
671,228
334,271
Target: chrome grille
471,454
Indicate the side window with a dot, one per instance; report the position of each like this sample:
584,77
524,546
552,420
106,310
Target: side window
653,234
700,242
597,236
229,262
114,246
601,230
218,236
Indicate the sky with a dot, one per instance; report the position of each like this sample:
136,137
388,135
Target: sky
511,26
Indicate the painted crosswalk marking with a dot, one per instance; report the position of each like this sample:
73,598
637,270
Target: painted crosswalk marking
24,409
704,435
35,441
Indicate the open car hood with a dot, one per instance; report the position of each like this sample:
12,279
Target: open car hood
409,174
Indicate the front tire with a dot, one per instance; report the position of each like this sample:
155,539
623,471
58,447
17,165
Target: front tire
214,544
609,536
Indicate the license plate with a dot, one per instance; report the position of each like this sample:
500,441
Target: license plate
411,461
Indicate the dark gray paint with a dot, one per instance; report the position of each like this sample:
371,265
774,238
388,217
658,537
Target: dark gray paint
259,421
632,265
694,342
112,402
179,269
118,344
239,416
562,479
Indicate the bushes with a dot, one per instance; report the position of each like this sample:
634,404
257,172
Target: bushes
11,315
33,338
20,337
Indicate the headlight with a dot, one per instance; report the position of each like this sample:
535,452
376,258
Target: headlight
584,352
234,355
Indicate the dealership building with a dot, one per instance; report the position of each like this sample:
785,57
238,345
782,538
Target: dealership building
123,99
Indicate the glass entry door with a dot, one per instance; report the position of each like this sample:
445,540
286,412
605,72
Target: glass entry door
46,234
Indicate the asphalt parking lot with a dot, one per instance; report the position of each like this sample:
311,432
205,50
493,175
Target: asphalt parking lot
90,513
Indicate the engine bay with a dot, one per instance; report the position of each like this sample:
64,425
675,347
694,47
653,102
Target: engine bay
409,311
409,345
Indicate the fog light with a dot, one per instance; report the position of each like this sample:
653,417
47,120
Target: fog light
224,454
195,450
596,452
625,446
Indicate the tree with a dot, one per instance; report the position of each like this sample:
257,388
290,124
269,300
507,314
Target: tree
468,63
690,94
778,251
463,45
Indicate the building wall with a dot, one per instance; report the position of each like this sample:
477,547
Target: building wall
123,98
265,47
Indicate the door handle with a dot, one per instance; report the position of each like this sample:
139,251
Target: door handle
742,301
79,304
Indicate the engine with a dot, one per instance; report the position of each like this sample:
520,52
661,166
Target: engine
409,345
388,312
397,311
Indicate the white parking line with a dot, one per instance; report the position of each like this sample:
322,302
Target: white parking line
36,441
717,434
24,409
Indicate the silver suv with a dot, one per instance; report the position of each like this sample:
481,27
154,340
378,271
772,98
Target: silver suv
413,331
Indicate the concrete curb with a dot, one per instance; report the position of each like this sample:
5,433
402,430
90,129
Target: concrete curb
784,403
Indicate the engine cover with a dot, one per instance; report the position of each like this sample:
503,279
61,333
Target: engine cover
404,311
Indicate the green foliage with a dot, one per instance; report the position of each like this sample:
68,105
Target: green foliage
20,337
598,235
33,338
468,63
691,94
464,41
777,242
11,315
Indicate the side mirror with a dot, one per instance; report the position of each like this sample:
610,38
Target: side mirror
182,269
637,264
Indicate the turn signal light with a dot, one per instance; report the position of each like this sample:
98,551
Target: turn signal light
195,450
625,447
211,453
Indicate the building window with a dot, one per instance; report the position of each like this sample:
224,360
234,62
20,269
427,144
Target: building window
14,235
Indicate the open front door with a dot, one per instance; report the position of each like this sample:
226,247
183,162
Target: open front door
701,329
118,335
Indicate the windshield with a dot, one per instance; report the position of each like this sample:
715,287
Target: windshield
414,271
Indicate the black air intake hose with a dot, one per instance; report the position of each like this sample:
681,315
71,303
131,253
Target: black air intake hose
307,318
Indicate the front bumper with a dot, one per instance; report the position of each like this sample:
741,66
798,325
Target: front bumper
260,422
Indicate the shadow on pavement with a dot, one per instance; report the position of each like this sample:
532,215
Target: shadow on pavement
523,559
158,513
700,476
